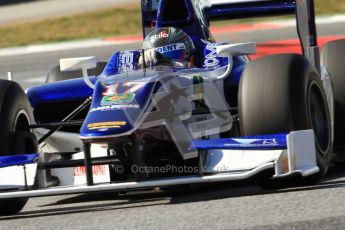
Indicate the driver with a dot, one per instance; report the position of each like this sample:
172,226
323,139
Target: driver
167,46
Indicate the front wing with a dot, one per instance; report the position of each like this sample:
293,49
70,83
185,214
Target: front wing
225,160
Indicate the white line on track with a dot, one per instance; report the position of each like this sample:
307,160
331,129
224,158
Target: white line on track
322,20
35,80
58,47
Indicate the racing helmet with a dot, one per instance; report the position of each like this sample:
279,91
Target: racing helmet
174,44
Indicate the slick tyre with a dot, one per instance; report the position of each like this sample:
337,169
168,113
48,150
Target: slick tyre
15,135
56,74
284,93
332,57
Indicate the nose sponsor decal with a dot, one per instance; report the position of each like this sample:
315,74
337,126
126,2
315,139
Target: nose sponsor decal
106,125
118,99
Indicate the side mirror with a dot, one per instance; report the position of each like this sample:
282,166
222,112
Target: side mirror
80,63
234,50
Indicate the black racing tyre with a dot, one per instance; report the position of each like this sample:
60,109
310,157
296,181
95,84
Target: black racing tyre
283,93
56,75
332,57
15,136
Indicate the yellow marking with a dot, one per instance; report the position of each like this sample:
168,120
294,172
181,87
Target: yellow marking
105,125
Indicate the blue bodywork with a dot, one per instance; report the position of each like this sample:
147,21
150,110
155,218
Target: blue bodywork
113,119
70,90
263,142
6,161
228,11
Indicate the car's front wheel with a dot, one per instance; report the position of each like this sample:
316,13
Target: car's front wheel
283,93
15,136
332,58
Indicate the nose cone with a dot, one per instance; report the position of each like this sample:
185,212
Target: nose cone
116,109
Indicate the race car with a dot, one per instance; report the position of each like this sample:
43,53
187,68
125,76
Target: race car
134,123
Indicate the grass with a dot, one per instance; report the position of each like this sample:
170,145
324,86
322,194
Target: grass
329,6
102,23
120,21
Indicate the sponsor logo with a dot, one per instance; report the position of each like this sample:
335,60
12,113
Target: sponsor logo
118,99
253,142
126,62
169,48
97,170
114,107
162,34
211,59
106,125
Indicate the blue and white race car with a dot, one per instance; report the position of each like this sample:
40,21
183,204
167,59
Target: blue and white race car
183,110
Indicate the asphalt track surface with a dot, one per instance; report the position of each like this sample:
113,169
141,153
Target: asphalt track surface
13,11
225,206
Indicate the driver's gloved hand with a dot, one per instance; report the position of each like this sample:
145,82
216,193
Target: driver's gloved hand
148,58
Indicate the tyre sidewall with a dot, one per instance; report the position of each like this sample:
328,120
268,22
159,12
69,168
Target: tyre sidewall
14,102
332,58
286,107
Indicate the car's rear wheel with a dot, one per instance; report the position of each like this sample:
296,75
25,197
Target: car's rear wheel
283,93
15,135
332,57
